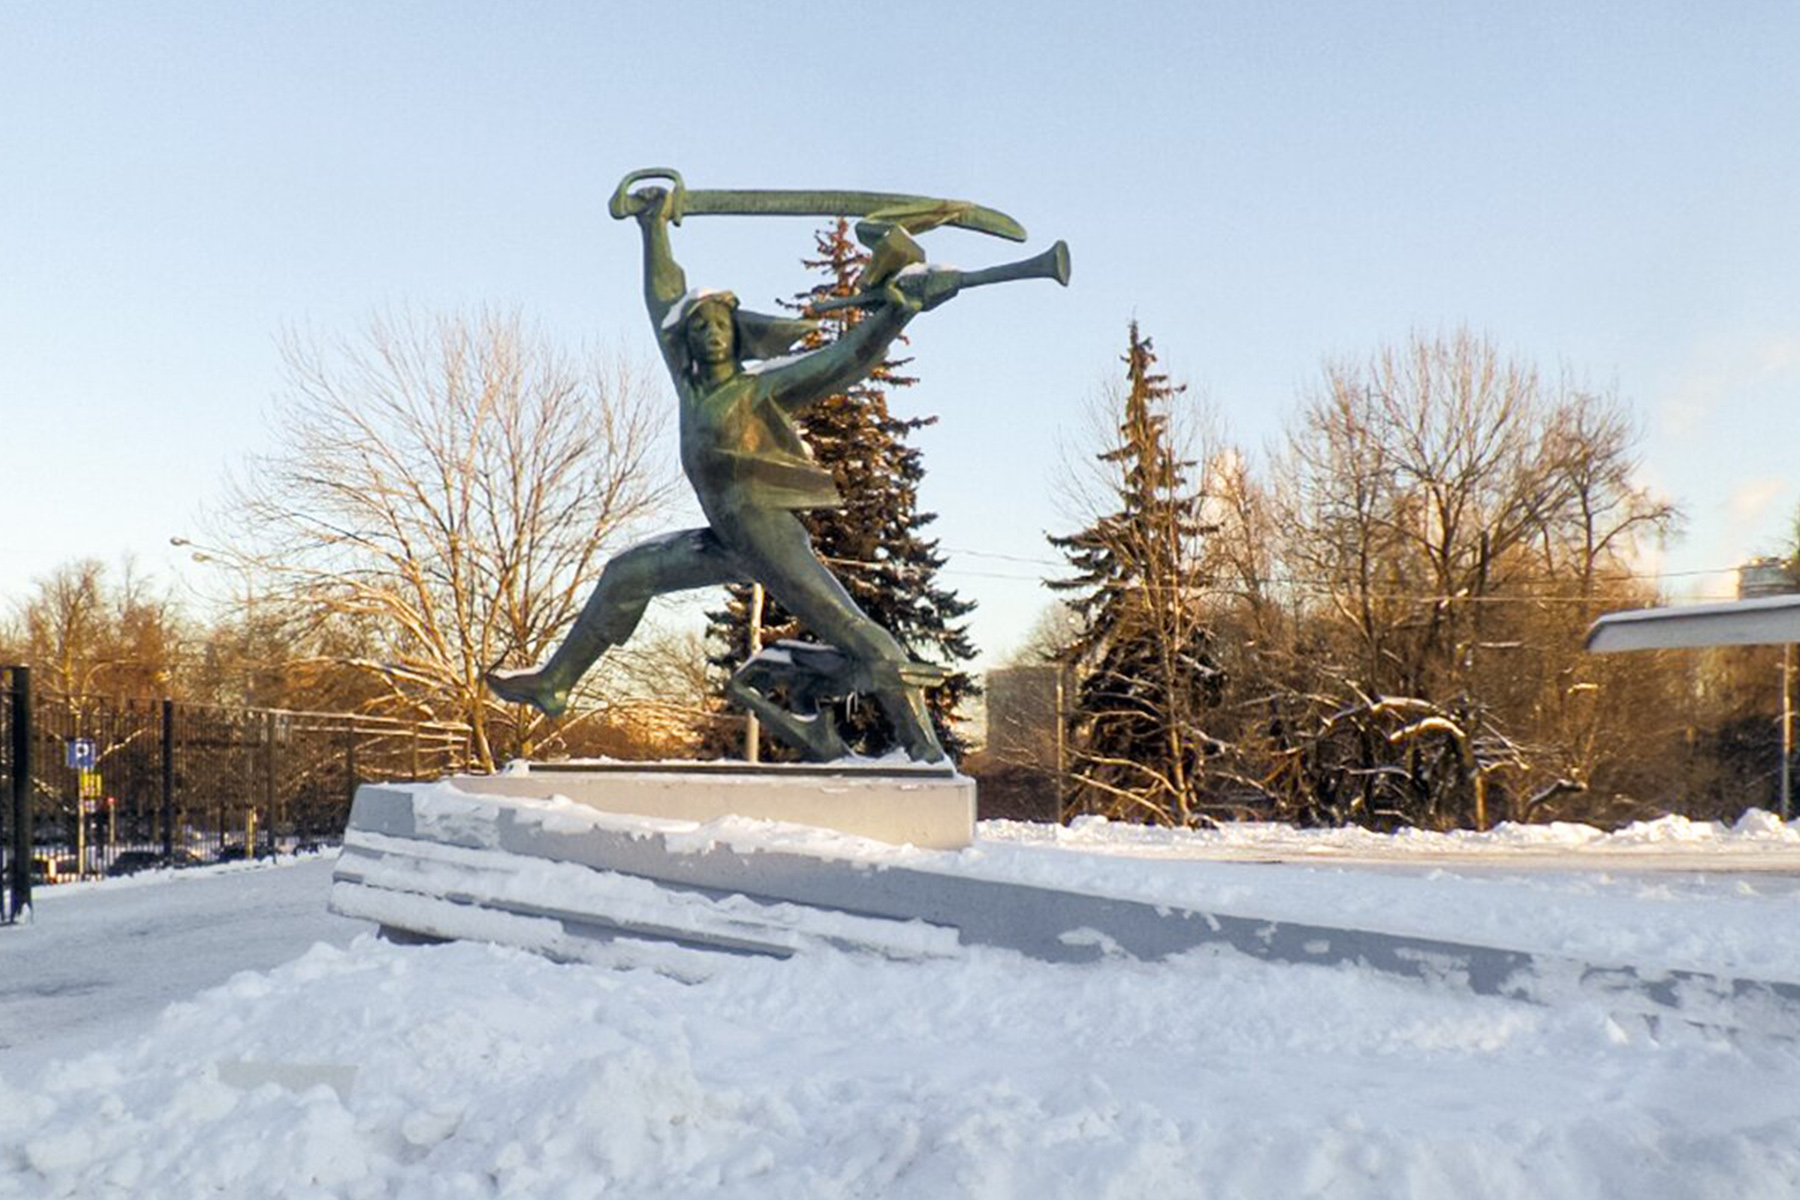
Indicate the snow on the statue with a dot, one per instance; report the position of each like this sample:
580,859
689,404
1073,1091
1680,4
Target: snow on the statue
466,1070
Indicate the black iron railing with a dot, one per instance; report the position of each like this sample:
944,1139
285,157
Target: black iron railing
110,784
16,808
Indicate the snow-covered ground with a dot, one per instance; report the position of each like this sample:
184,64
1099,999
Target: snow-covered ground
1757,840
370,1070
1671,893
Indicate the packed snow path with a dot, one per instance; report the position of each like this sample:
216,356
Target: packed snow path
100,961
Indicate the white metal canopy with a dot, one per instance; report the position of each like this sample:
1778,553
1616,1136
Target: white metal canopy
1767,621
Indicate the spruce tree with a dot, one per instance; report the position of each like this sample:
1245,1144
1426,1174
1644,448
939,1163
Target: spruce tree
1142,657
875,543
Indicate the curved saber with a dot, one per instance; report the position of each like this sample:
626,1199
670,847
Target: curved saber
913,212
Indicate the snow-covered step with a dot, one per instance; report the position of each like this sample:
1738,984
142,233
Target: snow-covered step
567,880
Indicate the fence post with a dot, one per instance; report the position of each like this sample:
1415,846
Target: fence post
21,792
168,779
349,768
269,776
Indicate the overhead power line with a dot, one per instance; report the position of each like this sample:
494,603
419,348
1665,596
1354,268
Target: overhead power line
1324,586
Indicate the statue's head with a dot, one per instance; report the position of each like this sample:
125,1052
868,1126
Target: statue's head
710,330
714,330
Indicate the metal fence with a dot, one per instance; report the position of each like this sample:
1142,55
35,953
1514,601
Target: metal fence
118,783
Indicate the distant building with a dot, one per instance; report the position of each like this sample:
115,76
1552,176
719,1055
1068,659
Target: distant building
1025,717
1024,759
1766,577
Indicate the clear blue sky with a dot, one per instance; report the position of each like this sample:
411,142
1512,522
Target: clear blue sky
1614,187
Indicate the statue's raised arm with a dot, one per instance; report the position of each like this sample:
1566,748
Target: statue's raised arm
655,209
808,378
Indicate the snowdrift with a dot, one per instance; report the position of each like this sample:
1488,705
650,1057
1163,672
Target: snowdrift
469,1070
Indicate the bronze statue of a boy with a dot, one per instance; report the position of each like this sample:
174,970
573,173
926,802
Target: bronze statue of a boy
744,457
752,473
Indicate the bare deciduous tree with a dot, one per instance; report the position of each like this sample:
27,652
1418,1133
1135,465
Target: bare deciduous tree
1448,520
1050,632
87,635
445,490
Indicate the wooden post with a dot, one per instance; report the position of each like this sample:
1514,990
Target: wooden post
349,768
753,727
1787,732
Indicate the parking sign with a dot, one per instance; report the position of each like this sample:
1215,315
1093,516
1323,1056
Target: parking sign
81,754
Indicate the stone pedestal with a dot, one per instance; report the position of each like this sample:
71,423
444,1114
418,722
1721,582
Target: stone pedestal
572,863
932,808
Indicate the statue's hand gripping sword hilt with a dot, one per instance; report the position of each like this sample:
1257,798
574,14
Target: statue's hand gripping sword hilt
626,203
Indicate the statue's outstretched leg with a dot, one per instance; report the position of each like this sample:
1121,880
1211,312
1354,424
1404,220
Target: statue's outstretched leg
775,548
900,690
673,563
904,707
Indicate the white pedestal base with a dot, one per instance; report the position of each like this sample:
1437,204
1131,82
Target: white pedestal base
932,808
